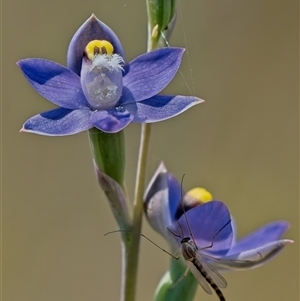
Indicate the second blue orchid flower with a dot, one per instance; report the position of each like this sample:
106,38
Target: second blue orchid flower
99,90
162,203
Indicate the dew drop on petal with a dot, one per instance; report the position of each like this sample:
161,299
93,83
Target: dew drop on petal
119,109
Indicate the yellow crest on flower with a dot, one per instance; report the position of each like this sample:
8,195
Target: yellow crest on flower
97,47
200,194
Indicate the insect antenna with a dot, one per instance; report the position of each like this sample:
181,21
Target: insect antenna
184,212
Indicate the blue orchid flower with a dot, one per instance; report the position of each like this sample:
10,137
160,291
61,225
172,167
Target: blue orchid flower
98,89
210,224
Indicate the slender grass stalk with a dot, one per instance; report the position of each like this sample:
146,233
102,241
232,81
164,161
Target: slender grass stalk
131,247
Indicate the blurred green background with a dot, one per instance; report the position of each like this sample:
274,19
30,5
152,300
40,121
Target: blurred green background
242,145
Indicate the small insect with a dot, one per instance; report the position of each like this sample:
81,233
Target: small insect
206,275
196,262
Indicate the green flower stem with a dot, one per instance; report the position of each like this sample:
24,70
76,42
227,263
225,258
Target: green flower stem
131,250
174,286
109,153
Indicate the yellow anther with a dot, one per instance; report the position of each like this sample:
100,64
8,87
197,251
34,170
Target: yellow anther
96,47
201,194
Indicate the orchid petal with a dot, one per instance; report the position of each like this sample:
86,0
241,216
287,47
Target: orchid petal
156,201
58,122
91,29
151,72
160,107
175,195
210,224
262,236
55,82
253,258
111,121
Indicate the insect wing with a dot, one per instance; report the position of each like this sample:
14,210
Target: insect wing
201,280
233,264
217,278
